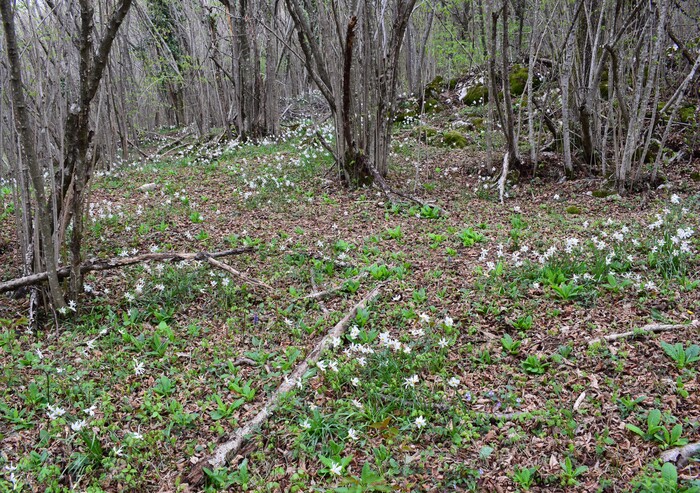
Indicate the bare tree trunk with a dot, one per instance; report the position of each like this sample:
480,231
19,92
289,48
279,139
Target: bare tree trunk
43,217
509,131
565,79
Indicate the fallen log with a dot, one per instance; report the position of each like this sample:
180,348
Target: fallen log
228,450
115,263
647,329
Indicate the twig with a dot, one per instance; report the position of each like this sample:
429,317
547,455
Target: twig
132,144
681,455
233,271
160,150
316,294
98,265
324,294
226,451
244,361
388,190
647,329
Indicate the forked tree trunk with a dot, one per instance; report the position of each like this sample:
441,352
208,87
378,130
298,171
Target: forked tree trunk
355,65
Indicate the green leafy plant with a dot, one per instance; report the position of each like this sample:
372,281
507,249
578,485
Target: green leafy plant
470,237
534,365
664,481
351,286
568,291
510,345
224,410
683,357
245,390
420,296
395,233
524,477
523,323
429,212
653,425
342,246
196,217
656,431
614,285
379,272
436,239
367,482
626,404
334,465
164,386
570,474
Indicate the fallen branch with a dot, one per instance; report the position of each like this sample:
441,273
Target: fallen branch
233,271
647,329
387,190
511,416
319,295
681,455
99,265
316,292
504,176
160,151
226,451
244,361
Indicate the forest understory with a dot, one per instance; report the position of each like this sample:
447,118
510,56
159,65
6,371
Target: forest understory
482,364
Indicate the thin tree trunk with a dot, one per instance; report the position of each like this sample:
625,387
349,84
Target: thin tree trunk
26,134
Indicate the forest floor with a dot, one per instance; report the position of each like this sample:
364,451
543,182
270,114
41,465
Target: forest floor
474,370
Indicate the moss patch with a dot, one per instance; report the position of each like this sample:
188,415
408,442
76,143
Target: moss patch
687,113
518,80
476,95
602,193
424,133
572,209
454,139
434,87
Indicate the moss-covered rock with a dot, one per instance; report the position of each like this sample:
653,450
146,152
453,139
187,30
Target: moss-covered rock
432,105
405,115
476,95
434,87
572,209
518,80
454,139
603,193
424,133
477,123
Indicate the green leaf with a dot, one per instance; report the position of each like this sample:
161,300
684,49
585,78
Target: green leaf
676,433
485,452
669,473
634,429
654,418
